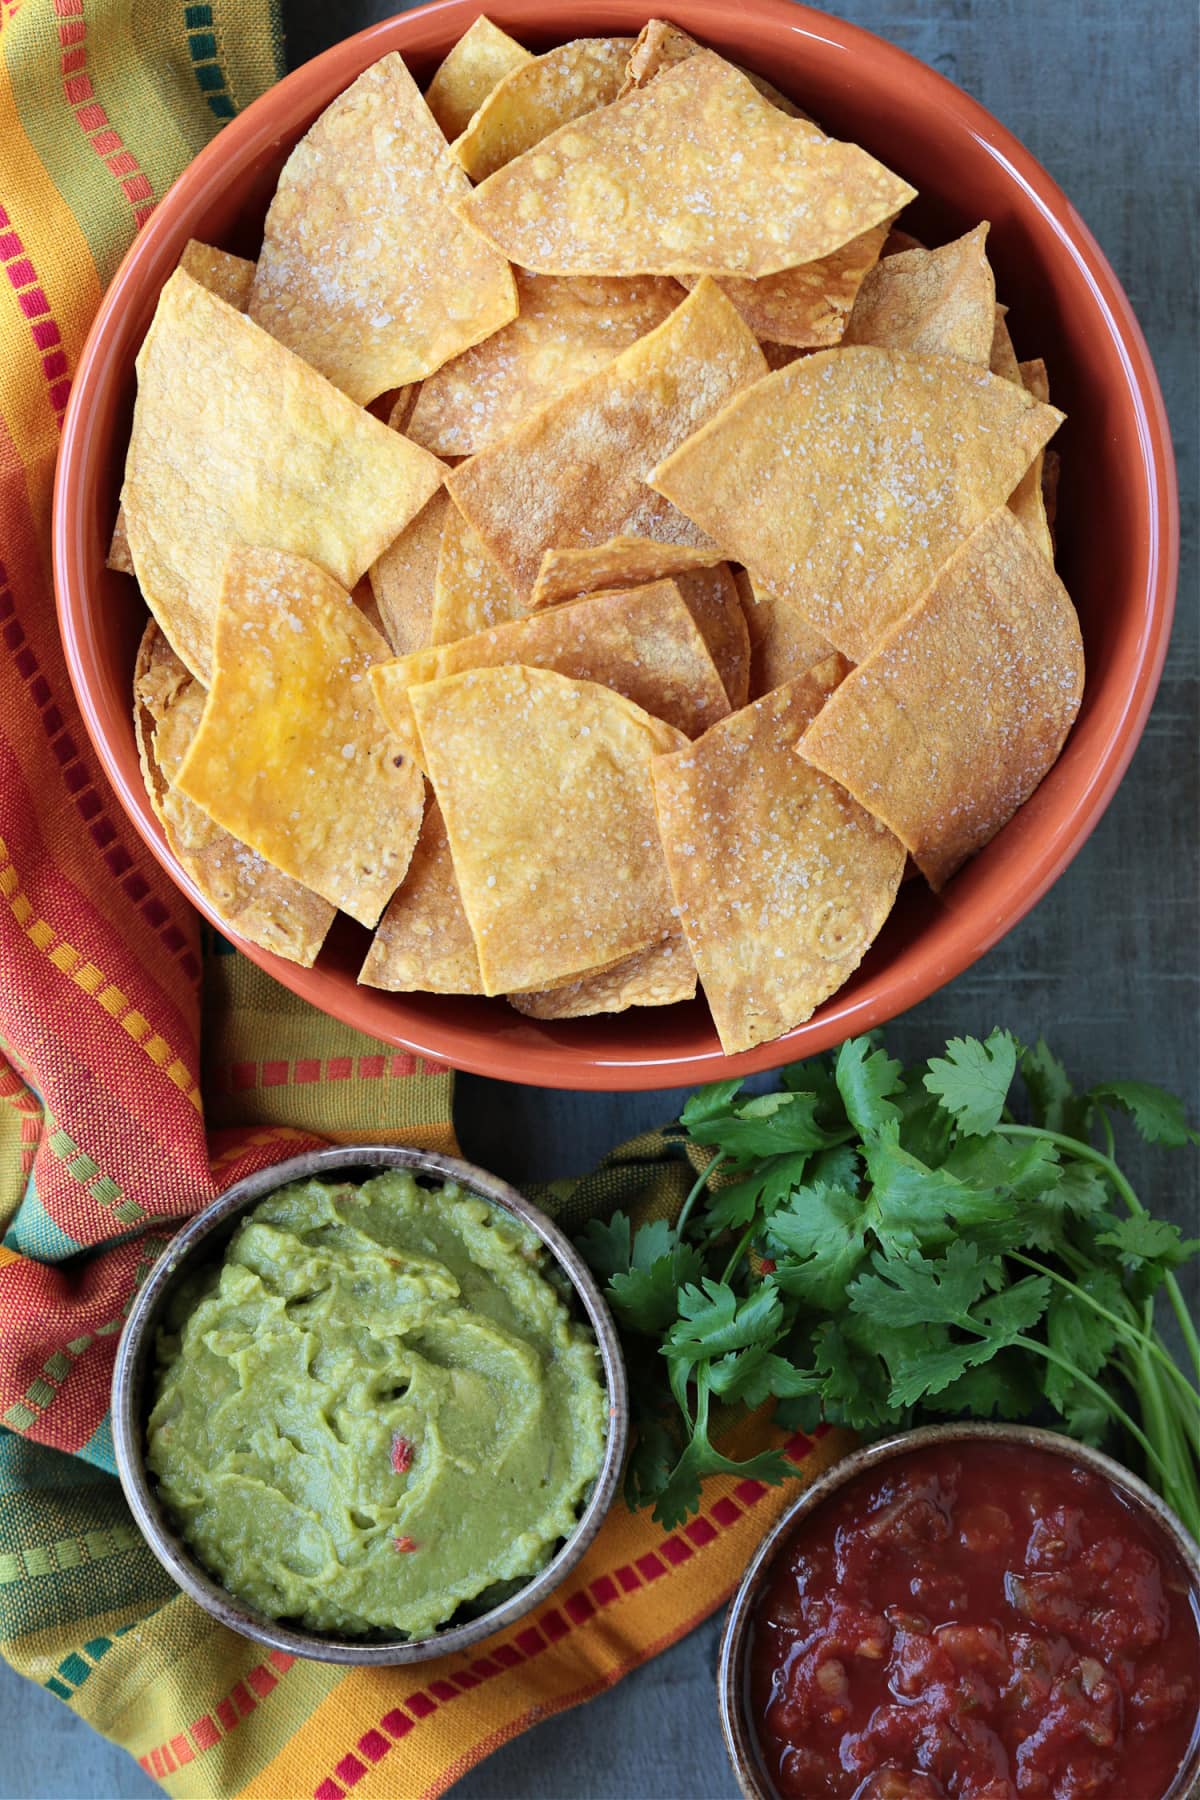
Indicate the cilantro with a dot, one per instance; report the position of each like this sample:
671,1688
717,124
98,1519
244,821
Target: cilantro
872,1243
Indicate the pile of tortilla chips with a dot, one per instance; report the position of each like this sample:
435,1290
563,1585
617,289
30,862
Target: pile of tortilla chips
592,547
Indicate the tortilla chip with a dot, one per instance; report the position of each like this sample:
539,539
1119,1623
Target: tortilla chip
291,755
643,643
807,306
470,593
253,899
782,880
643,186
229,277
932,302
423,941
711,597
621,562
403,578
365,270
1027,499
1002,358
237,441
567,328
481,59
657,976
1051,470
545,787
951,723
660,46
573,473
540,96
120,557
783,645
898,240
778,356
845,480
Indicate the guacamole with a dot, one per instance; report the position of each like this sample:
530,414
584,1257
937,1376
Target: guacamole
377,1409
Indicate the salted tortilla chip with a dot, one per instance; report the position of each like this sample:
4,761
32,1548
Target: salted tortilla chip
898,239
470,592
253,899
845,480
366,271
778,356
782,880
1027,500
540,96
660,46
120,557
229,277
1002,358
545,787
807,306
644,186
953,720
423,941
573,474
643,643
657,976
291,754
482,57
783,645
567,328
237,441
621,562
711,597
403,578
934,302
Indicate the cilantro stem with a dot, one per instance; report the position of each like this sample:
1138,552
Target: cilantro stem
739,1251
1106,1400
1086,1153
700,1184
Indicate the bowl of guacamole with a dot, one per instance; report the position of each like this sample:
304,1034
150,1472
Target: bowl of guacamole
370,1406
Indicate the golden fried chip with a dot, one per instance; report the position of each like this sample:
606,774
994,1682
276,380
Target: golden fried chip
660,46
540,96
898,240
423,941
778,356
545,787
807,306
711,597
120,557
568,327
292,755
783,644
953,720
252,898
1027,499
643,643
657,976
365,270
470,593
644,186
482,57
782,880
621,562
403,578
237,441
933,302
229,277
845,480
1002,358
574,473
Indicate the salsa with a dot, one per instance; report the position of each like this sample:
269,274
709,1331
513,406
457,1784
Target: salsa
975,1622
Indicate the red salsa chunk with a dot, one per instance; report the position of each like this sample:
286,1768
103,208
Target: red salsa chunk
976,1622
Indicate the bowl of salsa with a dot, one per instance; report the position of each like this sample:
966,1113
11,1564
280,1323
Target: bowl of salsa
968,1613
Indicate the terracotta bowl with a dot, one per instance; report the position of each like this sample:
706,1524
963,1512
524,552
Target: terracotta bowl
201,1242
1117,521
1152,1512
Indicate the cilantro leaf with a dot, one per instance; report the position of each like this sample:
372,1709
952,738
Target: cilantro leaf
1053,1102
655,1452
757,1374
708,1103
712,1320
818,1243
604,1244
770,1125
867,1078
680,1494
910,1206
972,1080
1159,1116
1141,1240
644,1297
911,1290
735,1205
1002,1388
1081,1336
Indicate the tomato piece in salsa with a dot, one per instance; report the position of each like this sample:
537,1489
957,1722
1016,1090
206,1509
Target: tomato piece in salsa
975,1622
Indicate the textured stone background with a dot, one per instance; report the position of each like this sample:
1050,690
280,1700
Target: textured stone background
1108,966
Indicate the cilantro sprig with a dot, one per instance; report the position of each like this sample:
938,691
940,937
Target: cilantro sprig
874,1243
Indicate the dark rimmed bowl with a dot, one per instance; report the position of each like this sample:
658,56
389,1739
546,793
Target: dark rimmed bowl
736,1728
201,1241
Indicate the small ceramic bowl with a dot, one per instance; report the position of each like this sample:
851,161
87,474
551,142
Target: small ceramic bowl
735,1642
202,1242
1117,522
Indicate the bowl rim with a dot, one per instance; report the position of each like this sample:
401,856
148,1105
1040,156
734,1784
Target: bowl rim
522,1052
131,1372
737,1735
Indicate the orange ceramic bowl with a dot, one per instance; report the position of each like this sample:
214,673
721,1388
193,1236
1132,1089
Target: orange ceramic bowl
1117,518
